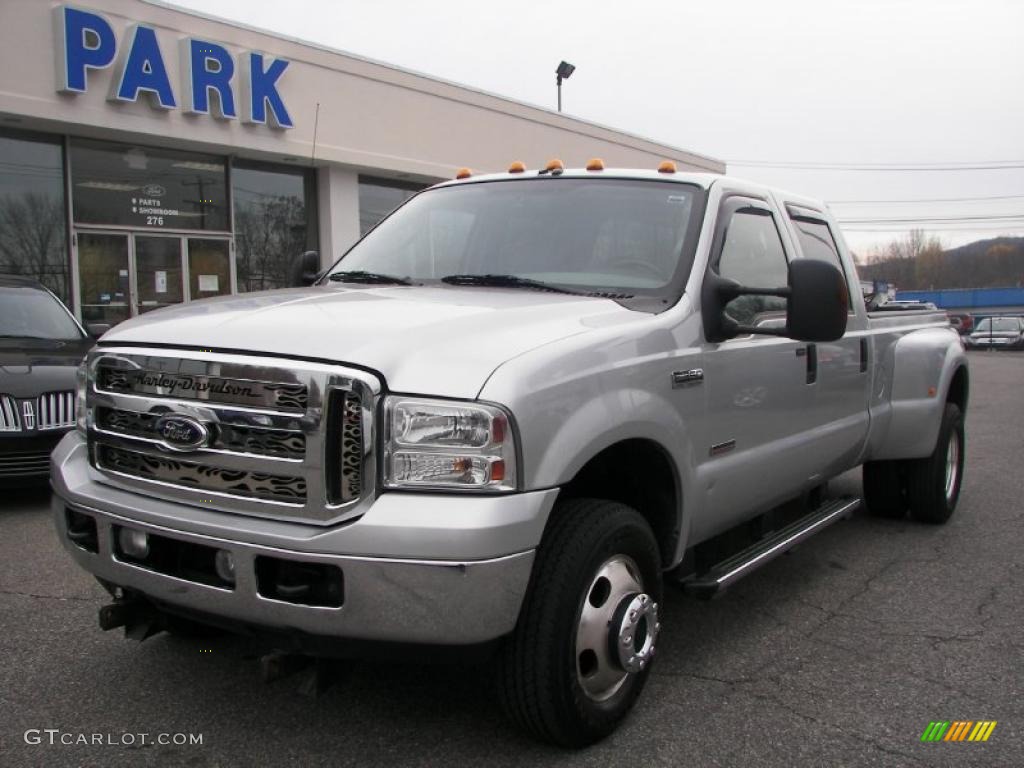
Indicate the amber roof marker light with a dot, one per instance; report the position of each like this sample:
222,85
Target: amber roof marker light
595,164
554,166
667,166
517,167
463,173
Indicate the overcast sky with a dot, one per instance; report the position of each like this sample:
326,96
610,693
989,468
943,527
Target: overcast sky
894,82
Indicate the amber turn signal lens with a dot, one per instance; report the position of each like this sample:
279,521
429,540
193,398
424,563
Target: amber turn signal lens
595,164
667,167
516,167
463,173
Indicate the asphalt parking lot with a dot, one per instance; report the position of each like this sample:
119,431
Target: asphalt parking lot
840,653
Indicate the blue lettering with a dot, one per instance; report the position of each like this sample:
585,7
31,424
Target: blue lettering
143,70
208,71
261,86
84,41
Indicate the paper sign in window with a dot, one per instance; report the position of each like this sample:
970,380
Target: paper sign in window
161,281
209,283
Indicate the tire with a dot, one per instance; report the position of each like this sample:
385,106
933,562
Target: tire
547,685
885,489
933,484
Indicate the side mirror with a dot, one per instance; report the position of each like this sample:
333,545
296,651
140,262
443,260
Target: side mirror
819,301
306,269
816,307
95,330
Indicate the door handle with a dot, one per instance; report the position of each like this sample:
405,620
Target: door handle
812,363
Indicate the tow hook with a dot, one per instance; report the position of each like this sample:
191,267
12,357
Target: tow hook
139,619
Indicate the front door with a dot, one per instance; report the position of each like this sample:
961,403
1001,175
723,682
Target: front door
754,444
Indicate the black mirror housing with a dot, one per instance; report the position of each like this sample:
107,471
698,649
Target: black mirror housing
818,302
306,269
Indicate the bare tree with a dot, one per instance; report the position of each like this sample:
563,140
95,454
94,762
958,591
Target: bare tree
32,240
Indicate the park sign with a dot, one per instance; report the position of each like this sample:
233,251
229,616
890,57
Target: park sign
86,41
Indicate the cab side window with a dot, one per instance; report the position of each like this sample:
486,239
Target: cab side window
753,256
816,242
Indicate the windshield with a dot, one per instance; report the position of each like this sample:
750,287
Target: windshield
998,324
627,238
27,312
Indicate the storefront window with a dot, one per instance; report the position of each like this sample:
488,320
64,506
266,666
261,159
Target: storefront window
127,185
275,221
33,241
379,197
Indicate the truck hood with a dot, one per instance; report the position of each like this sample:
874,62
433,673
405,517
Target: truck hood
431,340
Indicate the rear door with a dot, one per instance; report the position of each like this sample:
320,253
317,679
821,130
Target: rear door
840,395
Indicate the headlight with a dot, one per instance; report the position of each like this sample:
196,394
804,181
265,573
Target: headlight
448,445
81,390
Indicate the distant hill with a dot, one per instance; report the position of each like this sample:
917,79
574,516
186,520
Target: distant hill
992,263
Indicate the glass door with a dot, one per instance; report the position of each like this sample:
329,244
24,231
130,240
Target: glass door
209,267
103,269
158,272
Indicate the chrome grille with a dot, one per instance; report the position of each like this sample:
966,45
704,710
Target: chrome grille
351,449
193,386
55,410
268,447
237,438
233,482
9,421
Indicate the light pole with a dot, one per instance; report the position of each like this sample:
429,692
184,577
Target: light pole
565,69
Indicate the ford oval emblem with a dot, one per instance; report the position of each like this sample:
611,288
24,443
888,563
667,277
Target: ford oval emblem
182,433
153,190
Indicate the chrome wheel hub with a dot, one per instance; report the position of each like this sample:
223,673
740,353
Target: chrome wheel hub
637,630
617,629
952,464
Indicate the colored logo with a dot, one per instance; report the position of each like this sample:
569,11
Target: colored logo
182,433
958,730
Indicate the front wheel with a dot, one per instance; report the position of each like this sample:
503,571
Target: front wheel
933,483
582,650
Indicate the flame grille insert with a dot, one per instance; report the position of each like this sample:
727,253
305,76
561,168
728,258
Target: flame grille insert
279,443
253,485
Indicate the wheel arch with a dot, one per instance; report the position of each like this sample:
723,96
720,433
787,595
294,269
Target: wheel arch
640,473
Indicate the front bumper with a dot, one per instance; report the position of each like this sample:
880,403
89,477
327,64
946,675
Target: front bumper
417,568
25,456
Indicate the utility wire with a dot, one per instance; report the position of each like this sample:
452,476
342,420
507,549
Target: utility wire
991,166
927,200
1010,217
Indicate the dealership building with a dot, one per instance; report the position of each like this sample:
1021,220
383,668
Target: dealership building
150,155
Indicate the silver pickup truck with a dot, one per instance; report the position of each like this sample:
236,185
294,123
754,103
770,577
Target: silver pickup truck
500,423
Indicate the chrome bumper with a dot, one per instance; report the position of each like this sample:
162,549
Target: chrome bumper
407,576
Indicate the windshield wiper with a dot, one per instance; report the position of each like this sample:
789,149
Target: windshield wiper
361,276
504,281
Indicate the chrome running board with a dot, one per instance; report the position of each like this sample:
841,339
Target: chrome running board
720,576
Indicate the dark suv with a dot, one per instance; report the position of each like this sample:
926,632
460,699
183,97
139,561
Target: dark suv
41,345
